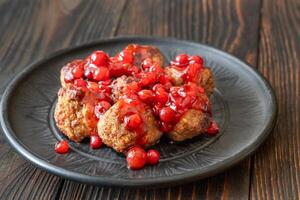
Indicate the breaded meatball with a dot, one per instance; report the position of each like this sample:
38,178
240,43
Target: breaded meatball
73,117
205,79
114,134
141,52
191,124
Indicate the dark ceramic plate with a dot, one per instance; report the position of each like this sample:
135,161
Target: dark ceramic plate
243,105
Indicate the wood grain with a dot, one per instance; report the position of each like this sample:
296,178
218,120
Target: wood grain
29,31
222,24
276,172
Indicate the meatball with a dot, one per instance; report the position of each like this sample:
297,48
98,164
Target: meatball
141,52
73,117
205,79
192,123
114,134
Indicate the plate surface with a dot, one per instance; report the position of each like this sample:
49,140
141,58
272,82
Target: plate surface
243,104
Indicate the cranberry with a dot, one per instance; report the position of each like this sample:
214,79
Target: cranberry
99,58
89,71
156,68
101,74
153,157
133,70
161,96
78,71
192,72
101,108
62,147
148,78
104,88
80,83
166,127
95,142
213,129
156,108
146,95
133,121
196,59
136,158
126,56
147,63
182,59
166,114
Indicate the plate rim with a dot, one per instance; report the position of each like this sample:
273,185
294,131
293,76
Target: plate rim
123,182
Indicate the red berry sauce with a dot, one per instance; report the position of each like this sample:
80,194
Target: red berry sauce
152,87
62,147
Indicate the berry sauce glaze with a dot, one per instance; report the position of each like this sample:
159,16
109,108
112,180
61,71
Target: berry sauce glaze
151,86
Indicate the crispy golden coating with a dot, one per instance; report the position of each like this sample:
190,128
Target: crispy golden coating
73,117
69,115
205,79
114,134
191,124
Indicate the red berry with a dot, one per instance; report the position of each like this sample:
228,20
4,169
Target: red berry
193,72
101,74
78,71
95,142
80,83
166,127
133,121
147,63
161,95
89,71
196,59
127,56
99,58
133,70
146,95
136,158
153,157
182,59
62,147
166,114
101,108
148,78
156,68
213,129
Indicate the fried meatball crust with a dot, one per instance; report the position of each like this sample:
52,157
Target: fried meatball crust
114,134
69,115
73,116
192,123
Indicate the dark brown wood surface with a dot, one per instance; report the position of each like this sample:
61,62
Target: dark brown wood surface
264,33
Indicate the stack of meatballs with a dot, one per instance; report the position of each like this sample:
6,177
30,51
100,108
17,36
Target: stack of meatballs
93,89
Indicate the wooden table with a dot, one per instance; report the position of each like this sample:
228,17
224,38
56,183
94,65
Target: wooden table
264,33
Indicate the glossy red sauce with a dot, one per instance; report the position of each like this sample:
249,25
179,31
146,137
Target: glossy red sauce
153,87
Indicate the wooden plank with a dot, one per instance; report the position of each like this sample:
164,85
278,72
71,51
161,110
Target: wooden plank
222,24
276,172
29,31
